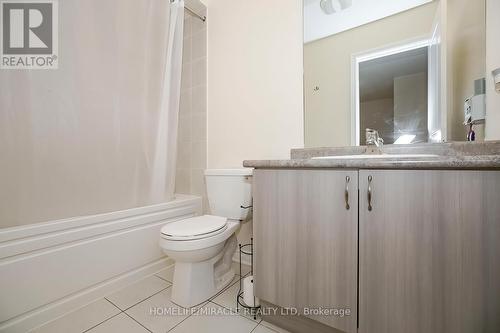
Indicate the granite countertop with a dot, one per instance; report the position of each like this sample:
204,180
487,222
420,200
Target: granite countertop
458,162
457,155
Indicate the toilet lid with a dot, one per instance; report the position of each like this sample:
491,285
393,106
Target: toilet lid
195,227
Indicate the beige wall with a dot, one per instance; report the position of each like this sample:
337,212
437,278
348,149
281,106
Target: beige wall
492,62
255,102
254,80
466,42
327,64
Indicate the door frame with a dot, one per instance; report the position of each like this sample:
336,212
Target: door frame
379,52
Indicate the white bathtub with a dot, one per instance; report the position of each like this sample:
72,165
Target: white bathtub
52,268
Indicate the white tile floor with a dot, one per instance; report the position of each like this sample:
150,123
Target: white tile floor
132,309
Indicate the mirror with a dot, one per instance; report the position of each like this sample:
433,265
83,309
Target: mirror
413,70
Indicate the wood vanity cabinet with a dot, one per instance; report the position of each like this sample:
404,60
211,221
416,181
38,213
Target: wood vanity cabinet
306,240
429,255
429,251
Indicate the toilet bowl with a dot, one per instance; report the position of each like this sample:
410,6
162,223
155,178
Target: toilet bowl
203,246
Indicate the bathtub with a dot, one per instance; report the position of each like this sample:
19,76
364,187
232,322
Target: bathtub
49,269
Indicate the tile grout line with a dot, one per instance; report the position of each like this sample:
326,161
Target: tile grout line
269,328
237,312
124,311
220,292
113,304
225,288
183,320
255,328
212,299
239,277
102,322
256,323
163,279
128,308
137,322
197,310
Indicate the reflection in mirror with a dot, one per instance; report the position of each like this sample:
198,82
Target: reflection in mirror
393,95
405,68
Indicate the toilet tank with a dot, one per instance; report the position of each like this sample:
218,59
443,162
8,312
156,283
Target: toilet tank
228,190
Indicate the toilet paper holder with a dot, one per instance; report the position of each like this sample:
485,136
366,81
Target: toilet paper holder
247,249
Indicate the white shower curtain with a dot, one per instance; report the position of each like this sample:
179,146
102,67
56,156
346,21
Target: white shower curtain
99,133
166,138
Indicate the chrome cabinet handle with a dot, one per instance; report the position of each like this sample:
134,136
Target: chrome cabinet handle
347,180
370,178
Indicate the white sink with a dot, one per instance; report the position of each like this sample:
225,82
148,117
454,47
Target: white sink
368,156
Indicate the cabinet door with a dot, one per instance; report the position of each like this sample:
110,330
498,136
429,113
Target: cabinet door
306,241
429,252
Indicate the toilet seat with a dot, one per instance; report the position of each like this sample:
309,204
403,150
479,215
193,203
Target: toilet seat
168,243
194,228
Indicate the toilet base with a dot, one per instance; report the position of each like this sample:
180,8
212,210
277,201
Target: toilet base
195,282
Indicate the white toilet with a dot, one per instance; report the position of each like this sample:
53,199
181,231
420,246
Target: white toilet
203,246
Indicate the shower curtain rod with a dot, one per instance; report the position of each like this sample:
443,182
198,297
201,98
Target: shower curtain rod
203,18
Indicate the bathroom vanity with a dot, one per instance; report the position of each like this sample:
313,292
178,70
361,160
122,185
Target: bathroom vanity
387,244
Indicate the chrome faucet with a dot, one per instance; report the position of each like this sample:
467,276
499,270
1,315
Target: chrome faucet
373,139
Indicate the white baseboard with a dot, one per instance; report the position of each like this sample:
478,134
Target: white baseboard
49,269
